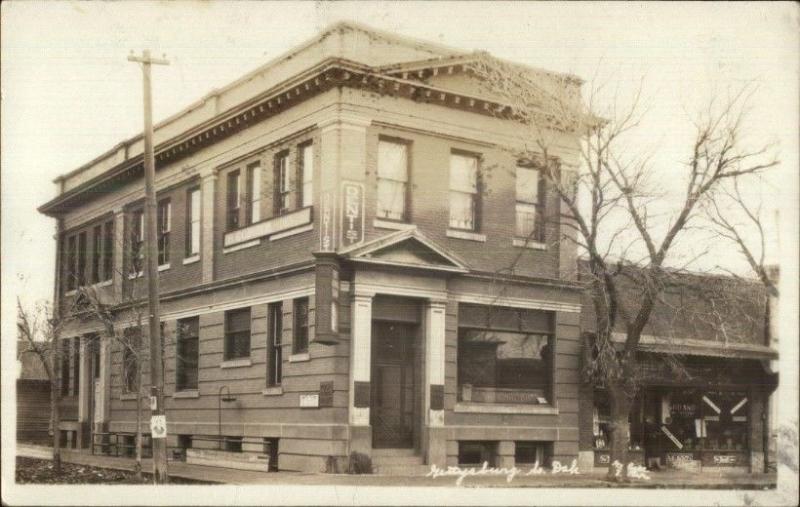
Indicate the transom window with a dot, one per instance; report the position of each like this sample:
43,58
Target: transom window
392,180
464,196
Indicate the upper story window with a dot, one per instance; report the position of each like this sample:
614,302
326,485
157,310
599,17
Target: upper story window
392,180
81,268
529,203
97,252
187,354
193,222
137,241
232,212
253,192
464,192
164,226
306,177
282,183
274,344
300,341
71,256
108,250
237,334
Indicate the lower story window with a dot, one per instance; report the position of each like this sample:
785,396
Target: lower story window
475,453
504,367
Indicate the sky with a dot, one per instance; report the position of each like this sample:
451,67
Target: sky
69,93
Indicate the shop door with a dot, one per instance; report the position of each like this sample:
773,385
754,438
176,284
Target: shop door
392,397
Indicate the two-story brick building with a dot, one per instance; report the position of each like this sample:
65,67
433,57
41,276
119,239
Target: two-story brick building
347,249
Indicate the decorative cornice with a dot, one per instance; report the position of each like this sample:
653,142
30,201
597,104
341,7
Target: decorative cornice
328,74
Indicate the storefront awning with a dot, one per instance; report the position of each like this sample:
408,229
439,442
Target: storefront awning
693,347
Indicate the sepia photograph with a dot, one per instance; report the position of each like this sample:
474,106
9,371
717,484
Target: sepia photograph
400,253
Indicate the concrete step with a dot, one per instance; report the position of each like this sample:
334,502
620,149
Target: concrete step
394,452
404,470
397,460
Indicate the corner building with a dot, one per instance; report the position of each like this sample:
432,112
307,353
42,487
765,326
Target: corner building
351,260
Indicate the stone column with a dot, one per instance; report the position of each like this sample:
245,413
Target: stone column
434,382
360,372
207,226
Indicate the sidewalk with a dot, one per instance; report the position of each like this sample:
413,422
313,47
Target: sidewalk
670,479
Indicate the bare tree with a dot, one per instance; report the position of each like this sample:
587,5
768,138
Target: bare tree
39,330
609,204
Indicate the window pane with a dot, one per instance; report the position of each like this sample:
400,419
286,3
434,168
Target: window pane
237,333
463,173
97,252
462,210
391,199
526,220
501,366
527,185
392,161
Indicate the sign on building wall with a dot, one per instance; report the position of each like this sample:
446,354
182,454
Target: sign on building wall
326,233
309,400
352,213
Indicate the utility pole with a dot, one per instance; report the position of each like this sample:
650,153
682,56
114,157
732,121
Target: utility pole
158,422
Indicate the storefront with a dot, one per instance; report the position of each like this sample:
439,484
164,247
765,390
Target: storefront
705,413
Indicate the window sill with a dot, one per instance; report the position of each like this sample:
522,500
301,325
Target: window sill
292,232
163,267
241,246
471,236
299,358
134,276
389,224
189,393
492,408
127,396
273,391
529,243
236,363
191,260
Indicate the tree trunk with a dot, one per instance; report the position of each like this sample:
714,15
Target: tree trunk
56,422
55,409
620,406
138,466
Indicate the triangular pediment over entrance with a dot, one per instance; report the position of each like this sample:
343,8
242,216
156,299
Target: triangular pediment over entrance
410,249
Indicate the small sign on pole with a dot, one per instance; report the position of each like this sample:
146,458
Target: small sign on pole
158,426
153,403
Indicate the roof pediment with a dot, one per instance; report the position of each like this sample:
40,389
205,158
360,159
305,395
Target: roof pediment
408,249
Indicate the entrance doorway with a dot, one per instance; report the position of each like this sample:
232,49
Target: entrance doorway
392,405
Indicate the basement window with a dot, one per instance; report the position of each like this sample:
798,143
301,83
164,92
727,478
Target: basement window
475,453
